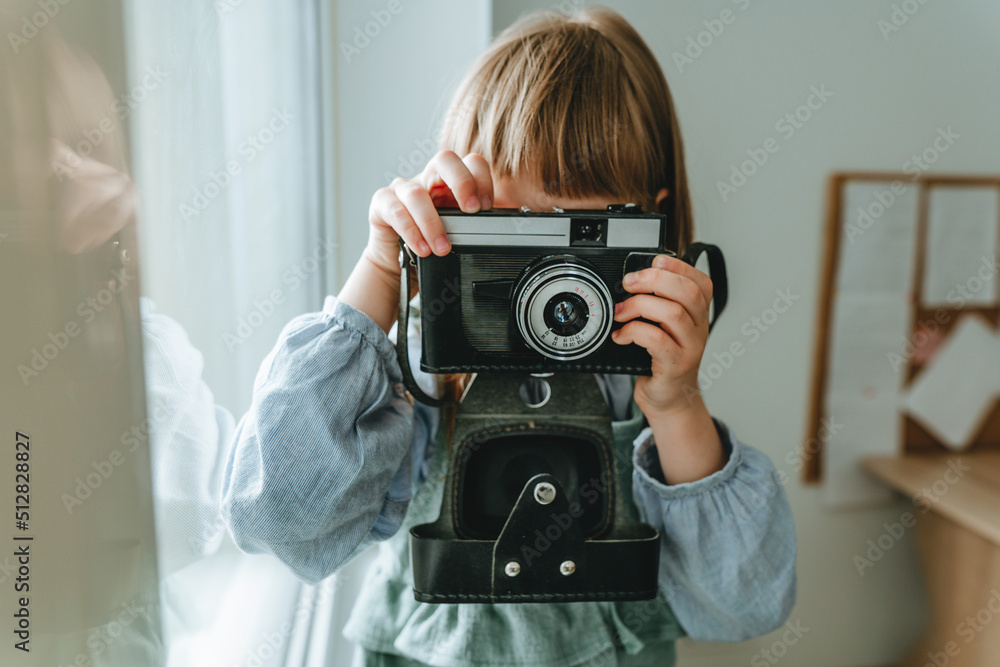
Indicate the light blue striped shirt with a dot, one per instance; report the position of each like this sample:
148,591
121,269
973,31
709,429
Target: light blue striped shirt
329,454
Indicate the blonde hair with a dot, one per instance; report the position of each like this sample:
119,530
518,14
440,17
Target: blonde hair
579,105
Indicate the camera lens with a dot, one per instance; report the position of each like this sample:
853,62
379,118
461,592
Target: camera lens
563,308
566,314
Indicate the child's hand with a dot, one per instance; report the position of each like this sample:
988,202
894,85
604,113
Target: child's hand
674,296
406,207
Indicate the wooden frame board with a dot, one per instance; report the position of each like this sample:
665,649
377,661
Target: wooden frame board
916,439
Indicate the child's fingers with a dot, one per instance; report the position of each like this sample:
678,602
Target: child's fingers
480,170
680,267
677,287
421,208
450,169
387,209
670,315
655,340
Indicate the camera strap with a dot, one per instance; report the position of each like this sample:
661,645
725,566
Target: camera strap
716,271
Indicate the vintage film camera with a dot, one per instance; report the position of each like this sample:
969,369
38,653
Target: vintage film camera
537,291
534,506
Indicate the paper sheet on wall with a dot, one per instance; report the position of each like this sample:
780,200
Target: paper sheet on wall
867,369
871,317
860,427
868,344
963,225
877,238
954,394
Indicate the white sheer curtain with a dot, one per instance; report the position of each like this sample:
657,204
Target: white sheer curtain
228,147
237,107
227,140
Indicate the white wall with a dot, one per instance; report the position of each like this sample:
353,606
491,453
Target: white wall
890,95
390,94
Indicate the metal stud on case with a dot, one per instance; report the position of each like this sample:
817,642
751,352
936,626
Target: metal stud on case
545,493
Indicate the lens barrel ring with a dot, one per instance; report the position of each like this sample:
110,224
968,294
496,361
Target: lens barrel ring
539,291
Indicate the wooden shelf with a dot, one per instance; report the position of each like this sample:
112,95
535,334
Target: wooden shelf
959,545
973,501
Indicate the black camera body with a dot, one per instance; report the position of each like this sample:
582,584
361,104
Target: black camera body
532,291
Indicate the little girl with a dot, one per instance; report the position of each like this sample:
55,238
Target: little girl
562,111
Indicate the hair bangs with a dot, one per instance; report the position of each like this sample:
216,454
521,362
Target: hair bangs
577,105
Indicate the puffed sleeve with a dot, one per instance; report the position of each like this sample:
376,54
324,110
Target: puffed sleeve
320,466
727,563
